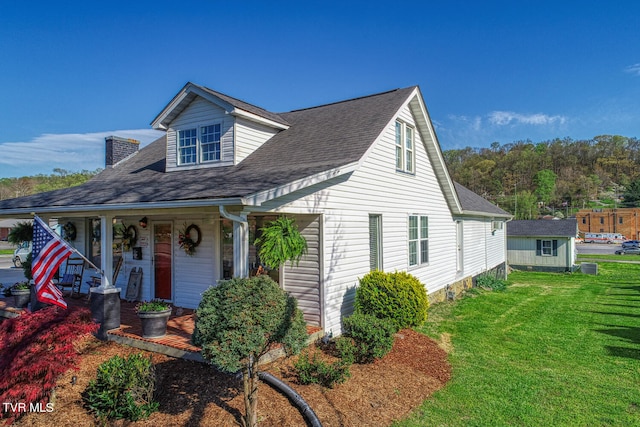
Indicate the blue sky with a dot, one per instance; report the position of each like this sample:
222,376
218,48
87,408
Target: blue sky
72,73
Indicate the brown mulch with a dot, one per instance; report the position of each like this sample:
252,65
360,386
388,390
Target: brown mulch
195,394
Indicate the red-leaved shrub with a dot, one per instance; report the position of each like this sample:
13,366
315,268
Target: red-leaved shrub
35,349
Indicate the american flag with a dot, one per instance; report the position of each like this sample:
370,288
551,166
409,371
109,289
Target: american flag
49,251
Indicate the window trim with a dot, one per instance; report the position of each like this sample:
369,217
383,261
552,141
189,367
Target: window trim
422,256
198,145
540,247
402,149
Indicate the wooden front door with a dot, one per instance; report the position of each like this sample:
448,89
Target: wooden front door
162,251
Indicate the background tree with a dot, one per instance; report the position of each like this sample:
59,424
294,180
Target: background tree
632,195
545,182
238,321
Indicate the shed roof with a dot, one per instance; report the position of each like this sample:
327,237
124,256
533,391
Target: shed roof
543,227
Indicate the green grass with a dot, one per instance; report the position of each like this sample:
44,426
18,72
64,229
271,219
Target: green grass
6,251
551,350
612,257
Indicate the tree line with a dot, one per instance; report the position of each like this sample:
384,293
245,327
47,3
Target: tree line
27,185
557,176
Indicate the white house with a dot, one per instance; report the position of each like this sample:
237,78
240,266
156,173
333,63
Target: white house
365,179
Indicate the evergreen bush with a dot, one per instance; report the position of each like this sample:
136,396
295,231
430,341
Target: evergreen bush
123,389
399,297
372,337
316,371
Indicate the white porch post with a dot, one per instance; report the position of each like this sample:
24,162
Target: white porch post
105,299
240,242
106,250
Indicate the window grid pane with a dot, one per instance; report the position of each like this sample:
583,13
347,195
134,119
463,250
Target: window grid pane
424,251
210,142
424,227
413,253
546,247
409,149
187,142
399,148
413,228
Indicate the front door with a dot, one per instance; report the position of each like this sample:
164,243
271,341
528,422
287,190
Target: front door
162,260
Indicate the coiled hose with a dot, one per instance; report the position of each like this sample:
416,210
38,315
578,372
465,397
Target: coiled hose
294,397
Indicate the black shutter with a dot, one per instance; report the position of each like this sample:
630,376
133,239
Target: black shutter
555,248
538,247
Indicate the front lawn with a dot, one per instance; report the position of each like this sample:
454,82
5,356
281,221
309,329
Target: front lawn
552,350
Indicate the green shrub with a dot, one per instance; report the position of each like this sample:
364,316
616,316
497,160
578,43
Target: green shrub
346,349
372,337
123,389
399,297
317,371
488,281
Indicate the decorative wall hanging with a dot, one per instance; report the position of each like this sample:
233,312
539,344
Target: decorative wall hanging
189,238
70,232
129,237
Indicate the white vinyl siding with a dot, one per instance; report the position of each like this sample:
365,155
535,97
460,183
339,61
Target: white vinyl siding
346,204
250,136
200,113
302,281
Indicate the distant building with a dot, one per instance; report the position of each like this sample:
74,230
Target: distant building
621,220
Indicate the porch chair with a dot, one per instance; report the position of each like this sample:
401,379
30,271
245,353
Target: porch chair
97,280
72,276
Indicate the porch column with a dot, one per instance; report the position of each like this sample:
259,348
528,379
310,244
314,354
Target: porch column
105,299
240,242
106,250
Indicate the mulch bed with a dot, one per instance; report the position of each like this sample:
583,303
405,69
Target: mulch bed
195,394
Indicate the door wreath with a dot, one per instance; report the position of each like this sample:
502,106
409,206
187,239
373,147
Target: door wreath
189,238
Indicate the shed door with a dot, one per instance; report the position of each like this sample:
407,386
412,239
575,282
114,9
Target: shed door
162,261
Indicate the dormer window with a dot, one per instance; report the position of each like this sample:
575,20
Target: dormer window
405,158
199,145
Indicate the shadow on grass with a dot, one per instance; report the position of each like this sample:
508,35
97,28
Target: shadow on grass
629,353
184,385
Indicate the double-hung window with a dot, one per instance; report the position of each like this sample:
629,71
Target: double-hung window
405,147
546,247
188,146
418,239
199,145
210,142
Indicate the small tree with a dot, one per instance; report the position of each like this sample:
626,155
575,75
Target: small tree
238,321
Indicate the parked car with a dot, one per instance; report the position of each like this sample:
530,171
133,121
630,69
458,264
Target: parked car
631,244
628,251
21,253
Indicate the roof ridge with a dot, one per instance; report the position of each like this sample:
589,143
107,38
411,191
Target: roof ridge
349,100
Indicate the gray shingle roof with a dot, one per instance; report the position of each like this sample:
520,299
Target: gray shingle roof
472,202
543,227
319,139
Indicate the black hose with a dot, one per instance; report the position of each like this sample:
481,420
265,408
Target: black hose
295,398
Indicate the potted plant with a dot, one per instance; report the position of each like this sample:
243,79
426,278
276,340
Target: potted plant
154,315
21,292
280,241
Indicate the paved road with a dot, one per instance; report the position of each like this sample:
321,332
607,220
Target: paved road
597,248
8,273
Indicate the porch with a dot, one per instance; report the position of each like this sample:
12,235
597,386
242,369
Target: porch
176,343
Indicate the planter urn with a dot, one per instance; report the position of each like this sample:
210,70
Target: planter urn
21,297
154,323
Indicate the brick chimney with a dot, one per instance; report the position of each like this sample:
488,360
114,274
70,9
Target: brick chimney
118,149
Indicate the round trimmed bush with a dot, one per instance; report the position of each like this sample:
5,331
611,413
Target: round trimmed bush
399,297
